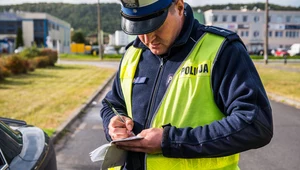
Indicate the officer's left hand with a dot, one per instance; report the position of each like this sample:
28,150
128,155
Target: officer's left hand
151,143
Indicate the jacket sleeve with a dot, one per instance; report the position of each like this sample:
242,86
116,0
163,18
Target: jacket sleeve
240,95
115,96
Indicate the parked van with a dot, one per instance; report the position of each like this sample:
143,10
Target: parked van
294,50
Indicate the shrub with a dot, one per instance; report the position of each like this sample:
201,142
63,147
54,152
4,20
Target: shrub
1,72
30,52
4,72
16,64
51,54
42,61
30,64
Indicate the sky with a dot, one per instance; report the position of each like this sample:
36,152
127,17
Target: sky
295,3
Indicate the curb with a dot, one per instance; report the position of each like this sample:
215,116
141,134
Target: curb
284,100
60,131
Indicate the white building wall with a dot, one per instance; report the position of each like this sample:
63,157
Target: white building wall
28,31
250,26
111,39
121,39
60,33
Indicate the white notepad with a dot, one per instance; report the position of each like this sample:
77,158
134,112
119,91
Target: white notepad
110,154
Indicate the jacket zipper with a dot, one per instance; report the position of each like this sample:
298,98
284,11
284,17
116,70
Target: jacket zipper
148,120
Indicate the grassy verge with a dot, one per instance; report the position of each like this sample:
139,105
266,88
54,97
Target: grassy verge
46,97
89,57
283,80
256,57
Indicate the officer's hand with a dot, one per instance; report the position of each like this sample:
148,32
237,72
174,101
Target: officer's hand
119,129
151,143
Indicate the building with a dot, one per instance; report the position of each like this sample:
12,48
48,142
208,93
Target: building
284,26
121,39
41,29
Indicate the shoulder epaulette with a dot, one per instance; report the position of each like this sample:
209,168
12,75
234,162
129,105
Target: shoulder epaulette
231,36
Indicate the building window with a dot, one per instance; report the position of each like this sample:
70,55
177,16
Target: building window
270,33
245,18
297,19
255,33
224,18
49,26
288,18
278,33
279,19
246,33
233,18
256,18
215,18
242,33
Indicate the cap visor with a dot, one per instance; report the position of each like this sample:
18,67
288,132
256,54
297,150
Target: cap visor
132,27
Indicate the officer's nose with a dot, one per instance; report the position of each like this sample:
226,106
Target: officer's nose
148,38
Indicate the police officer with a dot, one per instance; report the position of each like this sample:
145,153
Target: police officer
191,91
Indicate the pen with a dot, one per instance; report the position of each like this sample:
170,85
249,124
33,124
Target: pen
116,112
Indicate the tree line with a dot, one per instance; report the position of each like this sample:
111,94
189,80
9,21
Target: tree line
83,17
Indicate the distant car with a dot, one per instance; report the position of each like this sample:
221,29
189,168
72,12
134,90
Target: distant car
294,50
110,50
19,49
95,49
280,52
260,52
25,147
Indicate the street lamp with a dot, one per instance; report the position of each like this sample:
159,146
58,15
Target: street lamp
99,31
266,44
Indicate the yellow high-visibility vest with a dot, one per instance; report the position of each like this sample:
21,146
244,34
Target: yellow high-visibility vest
188,102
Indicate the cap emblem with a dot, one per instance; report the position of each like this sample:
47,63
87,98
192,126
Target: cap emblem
130,3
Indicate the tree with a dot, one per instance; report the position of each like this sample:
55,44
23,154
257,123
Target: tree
78,37
20,41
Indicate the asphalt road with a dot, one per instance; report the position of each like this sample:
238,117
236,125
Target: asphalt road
85,135
282,153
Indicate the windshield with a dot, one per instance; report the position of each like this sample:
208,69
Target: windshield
11,141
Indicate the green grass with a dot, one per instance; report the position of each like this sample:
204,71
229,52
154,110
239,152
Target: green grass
256,57
47,97
49,132
280,79
89,57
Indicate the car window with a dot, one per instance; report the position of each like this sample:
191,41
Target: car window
3,163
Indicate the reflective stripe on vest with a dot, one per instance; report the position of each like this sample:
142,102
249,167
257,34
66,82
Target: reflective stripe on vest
188,102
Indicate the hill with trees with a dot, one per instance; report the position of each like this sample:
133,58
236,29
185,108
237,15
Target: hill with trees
83,17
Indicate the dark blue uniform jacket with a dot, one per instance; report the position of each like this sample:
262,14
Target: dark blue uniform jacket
237,90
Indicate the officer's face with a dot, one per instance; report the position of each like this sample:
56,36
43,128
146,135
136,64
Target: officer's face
161,39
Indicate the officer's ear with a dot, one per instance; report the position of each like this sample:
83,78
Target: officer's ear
179,5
